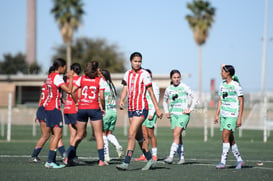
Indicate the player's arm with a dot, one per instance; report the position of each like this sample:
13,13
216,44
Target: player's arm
153,98
68,88
73,94
102,100
123,95
241,103
217,111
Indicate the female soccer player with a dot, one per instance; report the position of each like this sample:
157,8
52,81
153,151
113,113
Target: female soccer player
230,108
136,82
110,117
149,123
92,87
45,131
177,109
54,119
70,108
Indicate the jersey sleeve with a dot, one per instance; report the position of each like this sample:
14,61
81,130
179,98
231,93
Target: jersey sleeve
78,82
192,96
147,80
58,80
102,84
239,90
125,79
165,101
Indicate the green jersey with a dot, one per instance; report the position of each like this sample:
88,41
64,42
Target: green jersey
110,99
177,99
229,94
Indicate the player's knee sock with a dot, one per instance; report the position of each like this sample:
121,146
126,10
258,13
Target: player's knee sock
147,154
51,156
236,153
128,156
112,138
226,147
154,151
61,150
173,150
101,154
180,151
106,148
36,152
71,151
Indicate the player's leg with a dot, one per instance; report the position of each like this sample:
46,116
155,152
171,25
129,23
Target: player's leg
236,153
143,141
176,134
153,139
225,149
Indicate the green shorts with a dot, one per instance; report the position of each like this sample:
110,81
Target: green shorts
180,121
150,123
228,123
109,120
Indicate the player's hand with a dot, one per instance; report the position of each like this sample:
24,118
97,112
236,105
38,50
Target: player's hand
168,115
216,119
121,105
69,73
186,111
150,117
159,113
239,122
36,120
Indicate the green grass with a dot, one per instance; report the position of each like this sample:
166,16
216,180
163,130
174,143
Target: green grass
200,157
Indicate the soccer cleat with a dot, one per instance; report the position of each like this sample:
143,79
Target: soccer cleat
169,160
239,165
154,157
123,166
220,166
103,163
35,160
107,158
120,152
141,158
150,164
53,165
181,162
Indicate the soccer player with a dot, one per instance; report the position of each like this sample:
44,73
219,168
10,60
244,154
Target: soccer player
92,88
54,118
230,108
177,108
149,123
45,131
136,82
110,117
70,108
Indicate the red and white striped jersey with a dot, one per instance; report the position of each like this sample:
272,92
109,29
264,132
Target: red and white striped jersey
53,82
69,105
137,86
90,91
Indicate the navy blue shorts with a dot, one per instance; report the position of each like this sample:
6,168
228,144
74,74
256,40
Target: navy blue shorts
70,118
93,114
41,114
138,113
54,118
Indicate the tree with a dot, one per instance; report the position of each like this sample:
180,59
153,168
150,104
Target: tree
68,14
200,21
86,49
17,64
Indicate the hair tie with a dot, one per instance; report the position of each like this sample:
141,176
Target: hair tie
235,78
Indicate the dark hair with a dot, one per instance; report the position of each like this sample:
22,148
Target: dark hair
149,71
173,72
58,62
230,69
135,54
51,69
107,77
76,67
91,69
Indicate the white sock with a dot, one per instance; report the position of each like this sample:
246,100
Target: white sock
236,153
173,150
106,148
154,151
113,140
224,156
180,151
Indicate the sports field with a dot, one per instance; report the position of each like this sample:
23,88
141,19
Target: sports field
200,158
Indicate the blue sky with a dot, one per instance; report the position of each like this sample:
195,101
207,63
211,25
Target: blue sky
158,29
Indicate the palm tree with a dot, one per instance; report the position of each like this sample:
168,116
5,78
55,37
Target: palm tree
200,21
68,14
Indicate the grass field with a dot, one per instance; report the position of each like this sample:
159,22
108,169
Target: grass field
200,158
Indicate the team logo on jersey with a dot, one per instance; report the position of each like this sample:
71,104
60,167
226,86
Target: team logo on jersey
229,125
138,113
